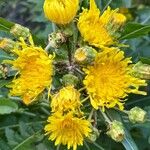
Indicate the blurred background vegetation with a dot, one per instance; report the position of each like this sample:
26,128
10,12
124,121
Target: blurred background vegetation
30,14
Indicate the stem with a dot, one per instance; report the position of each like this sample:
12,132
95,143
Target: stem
47,47
78,70
105,117
80,90
85,99
106,5
69,53
58,147
123,111
45,111
91,114
86,145
27,113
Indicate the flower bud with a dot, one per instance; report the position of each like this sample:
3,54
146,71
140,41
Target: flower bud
20,31
116,131
3,71
85,55
70,79
60,11
56,39
141,70
137,115
94,134
7,44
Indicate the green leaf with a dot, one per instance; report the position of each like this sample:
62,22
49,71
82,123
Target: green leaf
134,30
145,60
5,25
7,106
128,142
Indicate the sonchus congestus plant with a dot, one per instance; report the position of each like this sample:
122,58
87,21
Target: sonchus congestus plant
81,80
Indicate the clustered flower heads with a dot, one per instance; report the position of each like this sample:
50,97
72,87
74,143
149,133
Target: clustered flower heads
107,75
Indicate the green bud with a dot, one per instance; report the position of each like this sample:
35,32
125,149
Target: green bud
116,131
94,135
20,31
85,55
3,71
56,39
137,115
70,79
141,70
7,44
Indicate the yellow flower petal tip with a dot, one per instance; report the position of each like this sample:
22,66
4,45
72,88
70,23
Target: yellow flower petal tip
67,129
109,80
61,11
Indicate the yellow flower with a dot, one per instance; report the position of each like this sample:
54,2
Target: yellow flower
35,70
61,11
68,98
100,30
67,130
110,79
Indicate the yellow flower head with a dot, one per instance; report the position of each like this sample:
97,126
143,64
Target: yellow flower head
67,130
110,79
61,11
100,30
68,98
35,70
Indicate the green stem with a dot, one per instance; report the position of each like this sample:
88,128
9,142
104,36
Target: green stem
85,99
91,114
58,147
109,2
123,111
105,117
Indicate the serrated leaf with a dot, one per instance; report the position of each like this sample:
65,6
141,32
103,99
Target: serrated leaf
7,106
134,30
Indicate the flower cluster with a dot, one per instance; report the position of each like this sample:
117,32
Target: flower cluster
67,125
106,76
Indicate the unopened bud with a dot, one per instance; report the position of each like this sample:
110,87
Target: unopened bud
85,55
20,31
137,115
141,70
94,135
3,71
56,39
70,79
7,44
116,131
